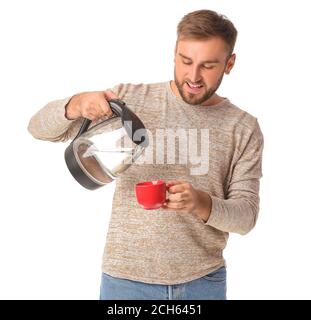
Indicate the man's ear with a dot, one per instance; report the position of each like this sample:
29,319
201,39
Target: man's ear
230,63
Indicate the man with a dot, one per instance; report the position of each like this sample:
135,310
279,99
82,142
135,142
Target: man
175,252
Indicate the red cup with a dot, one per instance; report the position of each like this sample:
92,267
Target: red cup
151,195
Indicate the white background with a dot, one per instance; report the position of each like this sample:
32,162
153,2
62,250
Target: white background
52,231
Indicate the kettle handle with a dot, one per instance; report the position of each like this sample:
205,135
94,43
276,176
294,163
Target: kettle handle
115,105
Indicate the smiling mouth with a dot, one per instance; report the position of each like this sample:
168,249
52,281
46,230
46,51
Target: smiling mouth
194,86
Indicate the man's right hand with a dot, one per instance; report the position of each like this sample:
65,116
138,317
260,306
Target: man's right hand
90,105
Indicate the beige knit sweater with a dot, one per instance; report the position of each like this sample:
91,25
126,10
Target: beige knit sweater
169,247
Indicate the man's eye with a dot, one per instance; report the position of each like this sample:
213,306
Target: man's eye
186,62
209,67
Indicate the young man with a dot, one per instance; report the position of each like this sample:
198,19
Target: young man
176,252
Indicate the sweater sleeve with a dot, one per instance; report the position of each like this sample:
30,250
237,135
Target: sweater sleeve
239,211
51,124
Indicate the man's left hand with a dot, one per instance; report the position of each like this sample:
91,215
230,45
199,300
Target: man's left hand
184,198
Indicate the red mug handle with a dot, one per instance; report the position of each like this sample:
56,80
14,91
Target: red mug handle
168,185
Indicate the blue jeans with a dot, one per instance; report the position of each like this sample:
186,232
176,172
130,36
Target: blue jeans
209,287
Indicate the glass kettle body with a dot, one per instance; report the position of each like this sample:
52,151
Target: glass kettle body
99,155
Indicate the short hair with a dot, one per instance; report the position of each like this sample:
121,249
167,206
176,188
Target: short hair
204,24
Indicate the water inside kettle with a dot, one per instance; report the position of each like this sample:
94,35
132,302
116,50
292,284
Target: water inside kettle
94,150
105,164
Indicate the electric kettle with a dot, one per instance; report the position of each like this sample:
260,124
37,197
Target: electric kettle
97,156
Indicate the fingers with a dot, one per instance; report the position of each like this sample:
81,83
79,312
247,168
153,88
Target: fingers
93,111
174,186
177,197
174,205
90,110
105,109
90,105
109,94
176,189
174,182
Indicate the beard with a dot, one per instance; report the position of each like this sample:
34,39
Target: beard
196,99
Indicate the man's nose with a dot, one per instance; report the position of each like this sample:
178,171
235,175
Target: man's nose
194,74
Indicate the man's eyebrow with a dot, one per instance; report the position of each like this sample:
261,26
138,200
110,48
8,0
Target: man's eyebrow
207,61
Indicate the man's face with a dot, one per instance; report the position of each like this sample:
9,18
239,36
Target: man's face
199,68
